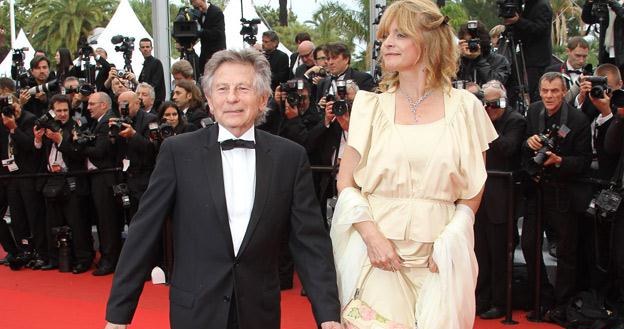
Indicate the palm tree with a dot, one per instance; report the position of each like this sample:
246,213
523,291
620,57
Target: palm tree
60,23
564,12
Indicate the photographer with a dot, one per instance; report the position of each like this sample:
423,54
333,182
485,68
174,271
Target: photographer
64,194
277,58
478,63
306,57
101,154
212,35
152,72
34,100
188,98
170,114
609,14
491,218
574,66
558,149
533,28
133,141
19,156
147,96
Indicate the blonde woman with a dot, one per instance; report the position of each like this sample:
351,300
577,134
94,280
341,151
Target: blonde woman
411,179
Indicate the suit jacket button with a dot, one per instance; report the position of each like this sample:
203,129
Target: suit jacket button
226,299
236,263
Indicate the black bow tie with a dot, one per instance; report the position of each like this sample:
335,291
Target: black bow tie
574,72
237,143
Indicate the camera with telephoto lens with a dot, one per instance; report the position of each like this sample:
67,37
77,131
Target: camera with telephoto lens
473,43
84,88
48,121
292,88
509,8
84,136
599,86
117,123
159,132
249,30
617,100
499,103
340,104
605,203
126,44
44,88
63,237
121,191
549,140
6,106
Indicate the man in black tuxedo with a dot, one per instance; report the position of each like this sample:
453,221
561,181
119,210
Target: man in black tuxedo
101,154
152,72
232,192
611,29
491,224
338,66
212,35
277,58
577,51
569,159
187,96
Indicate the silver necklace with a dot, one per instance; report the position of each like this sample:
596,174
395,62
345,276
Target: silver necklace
413,104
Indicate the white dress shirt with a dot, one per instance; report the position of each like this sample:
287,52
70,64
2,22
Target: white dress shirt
239,182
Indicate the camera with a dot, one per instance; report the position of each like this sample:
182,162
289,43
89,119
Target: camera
292,88
45,88
249,30
122,191
509,8
473,43
599,86
160,132
126,44
600,10
500,103
340,104
48,121
18,71
63,237
549,140
6,106
186,26
84,136
617,99
117,124
321,73
605,203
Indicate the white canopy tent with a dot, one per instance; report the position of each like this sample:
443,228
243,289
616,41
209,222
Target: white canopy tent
20,42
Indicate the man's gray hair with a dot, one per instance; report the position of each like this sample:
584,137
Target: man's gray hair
351,84
106,99
551,76
495,84
150,89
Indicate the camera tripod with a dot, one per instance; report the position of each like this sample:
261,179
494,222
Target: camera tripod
188,53
520,97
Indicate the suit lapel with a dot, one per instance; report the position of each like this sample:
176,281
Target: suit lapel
211,157
264,172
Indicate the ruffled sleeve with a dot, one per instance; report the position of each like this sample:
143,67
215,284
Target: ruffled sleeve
476,134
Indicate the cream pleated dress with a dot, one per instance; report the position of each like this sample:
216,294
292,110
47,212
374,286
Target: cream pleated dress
411,176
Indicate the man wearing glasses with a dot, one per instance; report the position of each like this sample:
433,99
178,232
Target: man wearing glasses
306,55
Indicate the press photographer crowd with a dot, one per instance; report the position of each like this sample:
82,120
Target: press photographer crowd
80,137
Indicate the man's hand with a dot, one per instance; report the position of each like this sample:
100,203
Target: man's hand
24,97
584,88
331,325
279,96
38,134
329,112
9,122
56,137
343,120
465,51
553,159
291,112
512,20
115,326
534,143
128,132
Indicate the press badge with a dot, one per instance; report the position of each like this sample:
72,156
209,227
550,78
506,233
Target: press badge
10,164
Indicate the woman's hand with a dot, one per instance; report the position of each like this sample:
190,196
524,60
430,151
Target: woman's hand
381,251
433,267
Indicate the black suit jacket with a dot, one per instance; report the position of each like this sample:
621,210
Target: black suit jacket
503,155
74,160
28,159
194,116
153,74
603,56
212,35
362,79
279,67
188,183
534,28
103,152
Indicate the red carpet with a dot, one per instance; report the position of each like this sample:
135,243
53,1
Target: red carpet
37,300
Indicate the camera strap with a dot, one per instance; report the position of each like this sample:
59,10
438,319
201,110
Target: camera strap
563,120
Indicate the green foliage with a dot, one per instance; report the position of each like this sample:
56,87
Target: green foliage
457,14
271,16
22,10
485,11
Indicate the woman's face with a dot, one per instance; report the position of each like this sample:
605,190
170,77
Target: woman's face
400,52
171,115
57,58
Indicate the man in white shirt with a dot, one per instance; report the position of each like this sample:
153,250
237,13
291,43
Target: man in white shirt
232,192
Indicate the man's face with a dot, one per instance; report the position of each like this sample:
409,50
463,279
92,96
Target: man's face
146,48
268,44
491,95
101,52
552,94
61,109
577,57
613,81
305,99
179,77
233,100
71,85
134,103
144,95
200,5
41,72
306,50
321,59
97,108
337,64
181,97
118,86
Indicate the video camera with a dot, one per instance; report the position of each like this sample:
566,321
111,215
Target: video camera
599,86
126,45
186,28
473,43
84,88
249,30
292,88
159,132
600,9
45,88
340,104
117,124
6,106
121,191
18,71
48,121
509,8
605,203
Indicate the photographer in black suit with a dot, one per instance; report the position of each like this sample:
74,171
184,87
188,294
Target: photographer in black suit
134,144
101,154
491,223
533,27
277,58
152,72
551,169
64,194
37,103
610,17
212,36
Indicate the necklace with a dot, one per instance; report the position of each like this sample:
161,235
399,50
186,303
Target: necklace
413,104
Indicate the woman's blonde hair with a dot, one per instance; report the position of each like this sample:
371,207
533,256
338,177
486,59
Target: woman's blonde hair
422,21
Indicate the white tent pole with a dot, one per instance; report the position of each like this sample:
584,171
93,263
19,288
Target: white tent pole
160,30
12,19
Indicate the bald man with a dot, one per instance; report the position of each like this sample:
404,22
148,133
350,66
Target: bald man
306,57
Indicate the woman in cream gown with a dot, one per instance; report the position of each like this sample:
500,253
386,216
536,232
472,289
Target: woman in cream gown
411,179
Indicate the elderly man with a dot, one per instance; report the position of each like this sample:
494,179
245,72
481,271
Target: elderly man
306,56
232,191
147,95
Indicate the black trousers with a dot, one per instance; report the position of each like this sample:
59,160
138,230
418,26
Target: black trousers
557,212
6,237
491,252
67,211
109,219
27,214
